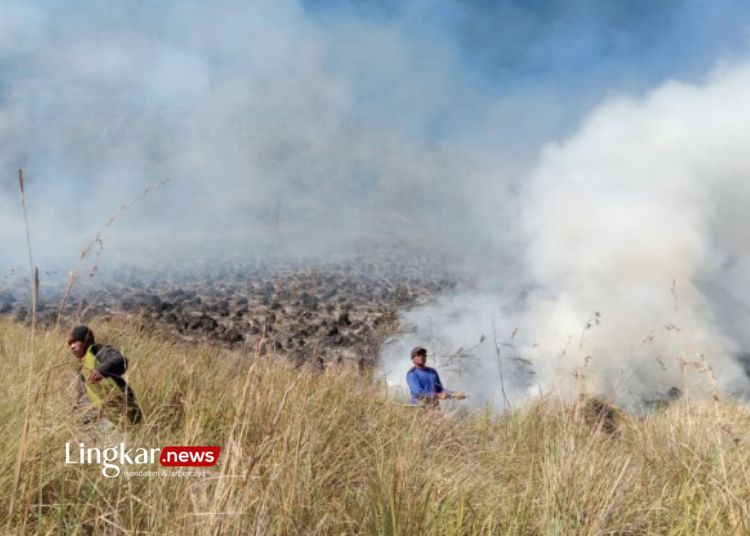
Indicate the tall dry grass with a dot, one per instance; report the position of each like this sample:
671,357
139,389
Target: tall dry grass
332,453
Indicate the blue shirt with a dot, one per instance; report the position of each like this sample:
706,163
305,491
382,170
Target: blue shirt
424,383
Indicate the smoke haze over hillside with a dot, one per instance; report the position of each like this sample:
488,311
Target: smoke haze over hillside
327,120
580,157
636,254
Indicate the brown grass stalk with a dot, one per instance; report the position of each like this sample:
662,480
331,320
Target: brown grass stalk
98,243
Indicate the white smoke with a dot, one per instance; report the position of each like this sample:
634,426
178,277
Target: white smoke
304,125
635,266
273,127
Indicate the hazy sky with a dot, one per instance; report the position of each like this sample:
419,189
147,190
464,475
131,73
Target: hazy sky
318,121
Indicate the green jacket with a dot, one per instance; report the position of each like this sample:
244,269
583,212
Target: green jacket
111,395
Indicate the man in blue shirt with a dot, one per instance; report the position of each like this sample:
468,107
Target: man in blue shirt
424,382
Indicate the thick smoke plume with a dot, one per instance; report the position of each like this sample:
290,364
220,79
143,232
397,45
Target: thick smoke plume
300,127
636,255
280,128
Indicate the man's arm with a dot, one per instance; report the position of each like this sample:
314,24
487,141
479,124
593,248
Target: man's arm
440,391
445,393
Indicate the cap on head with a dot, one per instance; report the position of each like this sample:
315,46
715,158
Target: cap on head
83,334
418,350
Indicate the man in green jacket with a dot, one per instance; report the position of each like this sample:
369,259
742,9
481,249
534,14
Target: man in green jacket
100,381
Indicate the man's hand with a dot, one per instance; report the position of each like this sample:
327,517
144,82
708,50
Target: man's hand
94,376
441,396
458,395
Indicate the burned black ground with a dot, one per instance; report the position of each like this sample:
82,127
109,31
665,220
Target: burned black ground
309,310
